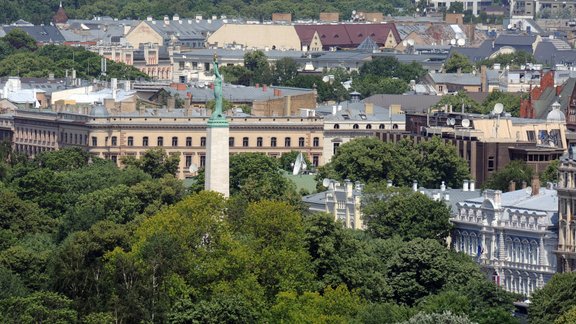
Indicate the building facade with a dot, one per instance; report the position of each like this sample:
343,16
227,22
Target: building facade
512,235
566,250
114,136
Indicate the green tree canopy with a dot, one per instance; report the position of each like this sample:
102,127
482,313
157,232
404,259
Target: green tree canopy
553,300
458,61
155,162
517,171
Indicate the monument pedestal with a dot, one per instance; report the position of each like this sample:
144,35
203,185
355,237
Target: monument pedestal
217,175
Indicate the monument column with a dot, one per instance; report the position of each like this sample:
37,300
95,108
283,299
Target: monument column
217,175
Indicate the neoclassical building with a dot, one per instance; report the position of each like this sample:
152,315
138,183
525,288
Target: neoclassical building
178,131
512,235
566,251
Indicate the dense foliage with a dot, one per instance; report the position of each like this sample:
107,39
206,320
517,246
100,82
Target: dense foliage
19,56
370,160
83,241
461,100
38,12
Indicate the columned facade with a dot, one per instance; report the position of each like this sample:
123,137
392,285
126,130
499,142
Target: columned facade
566,223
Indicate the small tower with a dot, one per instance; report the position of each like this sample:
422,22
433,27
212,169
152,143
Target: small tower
60,17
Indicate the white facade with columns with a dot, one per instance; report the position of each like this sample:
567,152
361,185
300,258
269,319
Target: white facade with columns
512,235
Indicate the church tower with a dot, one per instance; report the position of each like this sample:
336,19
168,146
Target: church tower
217,175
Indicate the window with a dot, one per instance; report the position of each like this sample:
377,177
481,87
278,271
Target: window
316,142
273,142
245,142
114,140
491,164
114,159
531,136
336,147
355,126
188,160
231,141
145,141
259,141
315,159
202,161
395,126
160,141
188,141
381,126
287,142
94,141
440,88
336,126
368,126
174,141
130,141
301,141
202,141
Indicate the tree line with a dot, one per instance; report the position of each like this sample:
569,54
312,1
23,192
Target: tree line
38,12
85,241
20,56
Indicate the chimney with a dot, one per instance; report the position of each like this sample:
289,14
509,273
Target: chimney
535,186
334,110
415,186
512,185
389,183
349,187
443,186
465,185
483,79
50,76
264,88
257,85
369,108
279,93
472,185
447,197
459,71
524,185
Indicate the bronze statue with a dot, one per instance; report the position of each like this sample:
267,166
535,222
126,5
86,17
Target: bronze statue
217,90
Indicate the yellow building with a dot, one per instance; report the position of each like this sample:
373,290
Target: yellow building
113,136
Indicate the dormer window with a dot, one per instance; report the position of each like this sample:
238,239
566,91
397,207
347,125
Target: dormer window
336,36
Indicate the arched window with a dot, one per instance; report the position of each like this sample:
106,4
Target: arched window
336,126
368,126
355,126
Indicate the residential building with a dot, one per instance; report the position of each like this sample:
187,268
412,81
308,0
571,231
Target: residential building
512,235
566,250
346,36
255,36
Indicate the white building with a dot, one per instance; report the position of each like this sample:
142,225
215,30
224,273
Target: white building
512,235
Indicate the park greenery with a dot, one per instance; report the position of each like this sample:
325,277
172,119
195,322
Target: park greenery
511,102
84,241
38,12
20,56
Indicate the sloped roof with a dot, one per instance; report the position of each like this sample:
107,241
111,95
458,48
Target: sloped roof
184,28
475,54
409,103
515,40
346,35
41,34
367,45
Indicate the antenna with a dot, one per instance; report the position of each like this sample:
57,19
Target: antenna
465,123
498,109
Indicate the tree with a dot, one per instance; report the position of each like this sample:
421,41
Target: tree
373,84
226,105
237,75
511,102
20,40
38,307
156,162
257,63
445,318
458,62
517,171
407,214
456,7
284,70
458,101
550,174
553,300
65,159
567,317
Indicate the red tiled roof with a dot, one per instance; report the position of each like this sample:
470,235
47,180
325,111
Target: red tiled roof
346,35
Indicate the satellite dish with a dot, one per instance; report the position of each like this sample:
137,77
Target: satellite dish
411,42
325,78
404,43
299,164
326,182
452,41
193,168
353,12
498,109
461,42
465,123
451,121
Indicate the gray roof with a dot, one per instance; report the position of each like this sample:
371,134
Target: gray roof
409,103
475,54
184,28
546,200
455,196
356,111
41,34
228,53
464,78
548,53
514,40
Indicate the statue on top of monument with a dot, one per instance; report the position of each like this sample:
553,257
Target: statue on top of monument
217,90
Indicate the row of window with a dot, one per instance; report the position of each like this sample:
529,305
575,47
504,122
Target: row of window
231,141
368,126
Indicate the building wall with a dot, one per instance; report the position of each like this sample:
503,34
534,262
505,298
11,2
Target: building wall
116,136
256,36
284,106
566,250
143,34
